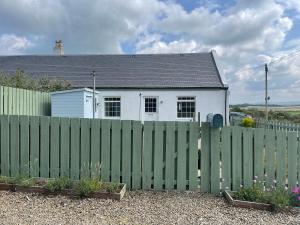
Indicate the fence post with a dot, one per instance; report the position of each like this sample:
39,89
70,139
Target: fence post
205,157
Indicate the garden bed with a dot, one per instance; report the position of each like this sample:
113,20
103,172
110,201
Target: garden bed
63,186
229,195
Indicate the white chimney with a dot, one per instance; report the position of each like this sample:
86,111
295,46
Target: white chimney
58,48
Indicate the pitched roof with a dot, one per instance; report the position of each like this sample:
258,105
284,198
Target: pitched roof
192,70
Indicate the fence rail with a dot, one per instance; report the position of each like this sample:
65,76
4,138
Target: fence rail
234,156
277,125
156,155
16,101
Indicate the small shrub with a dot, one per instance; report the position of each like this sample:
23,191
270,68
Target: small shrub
5,180
111,187
279,199
247,122
58,184
27,182
87,186
252,194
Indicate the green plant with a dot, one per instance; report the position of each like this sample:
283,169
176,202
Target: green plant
58,184
247,122
252,194
279,199
87,186
5,179
27,182
111,187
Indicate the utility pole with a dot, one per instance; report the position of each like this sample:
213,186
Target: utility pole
266,91
94,90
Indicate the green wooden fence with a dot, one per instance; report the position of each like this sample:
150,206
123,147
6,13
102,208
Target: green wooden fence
277,125
16,101
153,155
234,156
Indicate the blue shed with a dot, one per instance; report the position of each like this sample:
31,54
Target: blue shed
74,103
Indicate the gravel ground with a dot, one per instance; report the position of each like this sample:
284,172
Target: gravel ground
135,208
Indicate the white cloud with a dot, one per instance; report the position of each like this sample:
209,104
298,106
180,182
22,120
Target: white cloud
11,44
245,34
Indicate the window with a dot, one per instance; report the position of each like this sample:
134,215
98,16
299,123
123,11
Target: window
112,107
150,105
185,107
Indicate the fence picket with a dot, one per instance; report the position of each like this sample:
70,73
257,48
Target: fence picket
34,146
226,158
105,150
54,147
64,147
5,146
115,151
75,143
147,155
193,155
44,157
215,160
126,152
158,155
248,156
170,156
136,154
85,148
95,147
181,156
205,157
281,156
292,159
14,146
24,145
236,158
259,135
270,157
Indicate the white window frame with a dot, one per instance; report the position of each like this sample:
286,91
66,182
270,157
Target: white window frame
194,100
104,107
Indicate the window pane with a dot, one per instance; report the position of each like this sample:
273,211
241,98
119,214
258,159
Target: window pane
112,106
185,107
150,104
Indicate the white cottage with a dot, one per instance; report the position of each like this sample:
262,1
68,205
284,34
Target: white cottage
159,87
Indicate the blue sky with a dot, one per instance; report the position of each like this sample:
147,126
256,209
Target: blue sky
245,34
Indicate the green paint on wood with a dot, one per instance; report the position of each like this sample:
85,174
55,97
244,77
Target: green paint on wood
259,158
136,155
5,171
105,150
45,143
116,151
147,156
193,156
236,157
270,157
54,147
158,155
95,148
205,157
248,157
215,160
75,144
170,155
34,146
292,158
14,145
226,158
281,156
181,155
24,145
85,148
126,152
65,147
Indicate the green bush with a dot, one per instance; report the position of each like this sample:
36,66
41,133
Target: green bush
58,184
247,122
87,186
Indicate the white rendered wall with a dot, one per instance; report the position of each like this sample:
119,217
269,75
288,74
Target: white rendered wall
207,101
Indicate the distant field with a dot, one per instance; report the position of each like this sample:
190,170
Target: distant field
290,109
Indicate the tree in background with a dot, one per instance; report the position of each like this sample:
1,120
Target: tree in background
21,80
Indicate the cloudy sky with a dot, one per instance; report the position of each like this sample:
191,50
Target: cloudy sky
245,33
